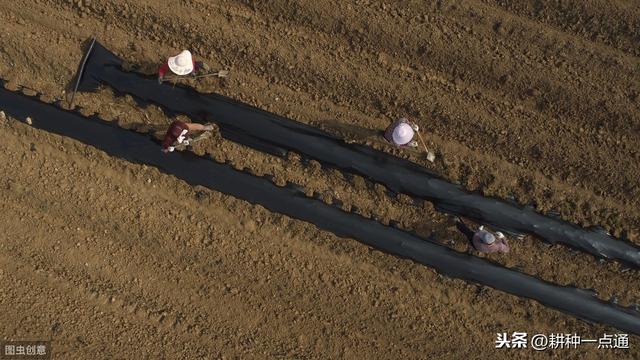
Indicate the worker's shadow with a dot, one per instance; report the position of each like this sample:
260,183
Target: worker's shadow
350,132
154,130
145,67
465,230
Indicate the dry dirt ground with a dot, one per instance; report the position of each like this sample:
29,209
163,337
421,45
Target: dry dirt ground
534,100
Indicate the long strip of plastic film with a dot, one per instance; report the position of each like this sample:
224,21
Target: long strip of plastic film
292,201
275,134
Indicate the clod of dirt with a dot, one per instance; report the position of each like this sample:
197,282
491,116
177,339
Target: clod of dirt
249,225
29,92
359,183
431,156
380,189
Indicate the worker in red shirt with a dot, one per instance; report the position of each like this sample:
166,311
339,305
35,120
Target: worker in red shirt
178,134
181,64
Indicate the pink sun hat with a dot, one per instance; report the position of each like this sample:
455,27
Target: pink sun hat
402,134
181,64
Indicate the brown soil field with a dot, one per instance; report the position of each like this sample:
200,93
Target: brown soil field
538,101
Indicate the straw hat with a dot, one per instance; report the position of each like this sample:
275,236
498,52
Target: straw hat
181,64
402,134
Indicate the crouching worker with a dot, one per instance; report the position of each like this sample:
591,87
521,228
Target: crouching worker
181,65
178,134
483,240
401,133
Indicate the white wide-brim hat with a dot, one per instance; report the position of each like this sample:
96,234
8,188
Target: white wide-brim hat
402,134
181,64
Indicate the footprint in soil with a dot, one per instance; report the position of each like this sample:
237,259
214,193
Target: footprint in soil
56,329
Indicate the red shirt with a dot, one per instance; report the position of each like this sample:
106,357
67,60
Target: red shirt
174,131
165,68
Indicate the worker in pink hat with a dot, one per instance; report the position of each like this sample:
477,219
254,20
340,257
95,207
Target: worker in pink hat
484,241
401,133
181,65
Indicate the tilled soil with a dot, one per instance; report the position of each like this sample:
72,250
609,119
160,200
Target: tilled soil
535,102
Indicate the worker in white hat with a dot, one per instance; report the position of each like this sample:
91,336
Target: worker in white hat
181,65
401,133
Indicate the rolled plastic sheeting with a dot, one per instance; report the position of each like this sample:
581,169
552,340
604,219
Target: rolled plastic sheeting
291,201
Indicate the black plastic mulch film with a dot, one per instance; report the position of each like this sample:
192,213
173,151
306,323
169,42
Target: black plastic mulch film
292,201
275,134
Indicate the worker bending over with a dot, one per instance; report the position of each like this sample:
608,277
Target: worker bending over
178,134
483,240
401,133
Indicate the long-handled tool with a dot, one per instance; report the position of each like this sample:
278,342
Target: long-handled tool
221,73
430,156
